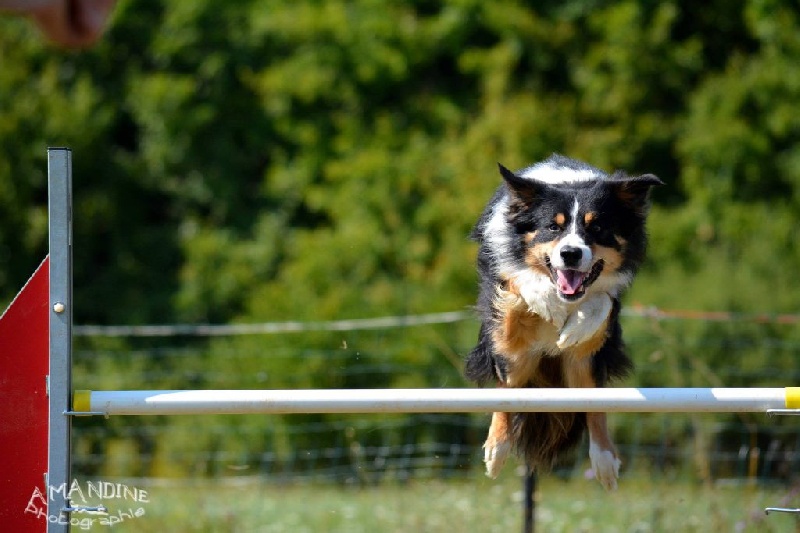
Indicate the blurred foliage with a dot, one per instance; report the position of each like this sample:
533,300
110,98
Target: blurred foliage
264,160
283,160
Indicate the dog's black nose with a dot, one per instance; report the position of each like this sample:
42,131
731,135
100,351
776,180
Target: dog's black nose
571,255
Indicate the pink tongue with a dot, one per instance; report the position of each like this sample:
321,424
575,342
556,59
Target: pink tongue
569,281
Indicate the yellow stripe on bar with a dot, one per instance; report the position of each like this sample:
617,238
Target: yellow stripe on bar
793,397
82,401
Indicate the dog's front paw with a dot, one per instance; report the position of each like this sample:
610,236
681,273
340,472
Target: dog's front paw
605,465
495,453
585,321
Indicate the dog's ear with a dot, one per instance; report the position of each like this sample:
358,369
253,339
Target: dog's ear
635,190
523,192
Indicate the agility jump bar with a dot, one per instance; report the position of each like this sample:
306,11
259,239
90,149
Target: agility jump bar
633,400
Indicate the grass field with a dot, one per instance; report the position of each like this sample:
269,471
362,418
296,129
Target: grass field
642,504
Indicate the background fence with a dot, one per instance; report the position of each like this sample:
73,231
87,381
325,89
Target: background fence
670,349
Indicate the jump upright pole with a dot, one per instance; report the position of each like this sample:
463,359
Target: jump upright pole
59,378
206,402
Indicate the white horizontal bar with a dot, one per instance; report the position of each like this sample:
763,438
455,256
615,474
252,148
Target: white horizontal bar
193,402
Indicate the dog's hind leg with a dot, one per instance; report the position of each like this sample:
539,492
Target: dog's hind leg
497,445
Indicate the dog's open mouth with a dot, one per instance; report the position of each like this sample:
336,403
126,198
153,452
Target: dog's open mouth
572,284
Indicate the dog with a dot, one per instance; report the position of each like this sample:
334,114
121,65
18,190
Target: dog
559,242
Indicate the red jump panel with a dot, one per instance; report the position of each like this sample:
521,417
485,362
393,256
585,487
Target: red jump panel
24,362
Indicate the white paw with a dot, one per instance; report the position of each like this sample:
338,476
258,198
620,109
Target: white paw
494,455
605,465
585,321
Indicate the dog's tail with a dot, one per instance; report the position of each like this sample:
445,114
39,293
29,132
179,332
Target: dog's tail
541,439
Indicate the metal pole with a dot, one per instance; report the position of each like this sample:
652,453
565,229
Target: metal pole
529,501
59,168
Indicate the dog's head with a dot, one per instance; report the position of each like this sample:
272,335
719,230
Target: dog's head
579,226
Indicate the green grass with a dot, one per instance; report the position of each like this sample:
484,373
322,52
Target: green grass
642,504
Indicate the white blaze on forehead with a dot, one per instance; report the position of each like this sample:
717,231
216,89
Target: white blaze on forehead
547,173
573,227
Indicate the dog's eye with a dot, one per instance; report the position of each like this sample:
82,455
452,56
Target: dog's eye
554,227
596,229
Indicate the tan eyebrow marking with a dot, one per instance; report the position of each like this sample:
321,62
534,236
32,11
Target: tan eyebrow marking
560,219
588,217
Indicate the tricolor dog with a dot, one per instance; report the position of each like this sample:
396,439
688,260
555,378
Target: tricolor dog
559,243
